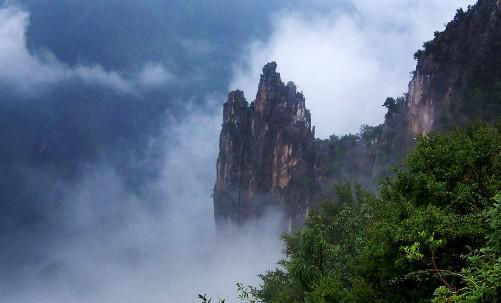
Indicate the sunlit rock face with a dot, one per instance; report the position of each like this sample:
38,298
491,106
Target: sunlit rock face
421,109
266,155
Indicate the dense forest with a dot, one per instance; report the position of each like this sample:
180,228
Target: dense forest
431,233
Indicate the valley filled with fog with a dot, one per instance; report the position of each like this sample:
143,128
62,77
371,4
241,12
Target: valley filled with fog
110,114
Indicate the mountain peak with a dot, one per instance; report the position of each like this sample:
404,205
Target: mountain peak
265,154
270,69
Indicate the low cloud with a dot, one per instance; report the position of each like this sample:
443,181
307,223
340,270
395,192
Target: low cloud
29,72
153,75
156,246
346,58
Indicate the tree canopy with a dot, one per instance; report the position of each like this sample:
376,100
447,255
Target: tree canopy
431,234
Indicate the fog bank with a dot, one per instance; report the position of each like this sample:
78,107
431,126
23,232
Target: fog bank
154,246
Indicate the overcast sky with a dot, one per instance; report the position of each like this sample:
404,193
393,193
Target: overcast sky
110,113
347,56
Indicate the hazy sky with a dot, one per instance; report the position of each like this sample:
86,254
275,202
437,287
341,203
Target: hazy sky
110,113
347,56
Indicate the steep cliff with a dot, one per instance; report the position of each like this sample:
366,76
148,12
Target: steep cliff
269,157
266,155
458,74
457,80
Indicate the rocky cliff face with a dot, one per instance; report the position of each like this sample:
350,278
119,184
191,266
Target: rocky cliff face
457,72
265,159
457,80
269,157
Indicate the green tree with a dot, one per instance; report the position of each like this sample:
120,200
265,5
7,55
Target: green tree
431,234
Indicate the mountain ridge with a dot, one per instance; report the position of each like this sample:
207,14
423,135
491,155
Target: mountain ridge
457,80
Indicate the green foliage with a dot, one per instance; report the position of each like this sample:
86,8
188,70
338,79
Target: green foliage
389,103
459,172
433,214
483,273
370,134
319,263
203,299
494,222
431,235
247,293
348,158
